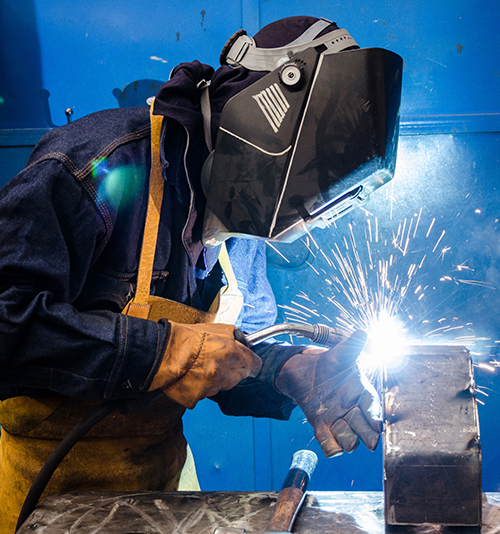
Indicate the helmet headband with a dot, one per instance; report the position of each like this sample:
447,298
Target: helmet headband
242,51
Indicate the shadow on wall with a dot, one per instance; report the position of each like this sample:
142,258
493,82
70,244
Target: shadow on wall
137,93
21,98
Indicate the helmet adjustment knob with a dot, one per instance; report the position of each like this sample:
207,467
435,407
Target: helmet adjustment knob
291,74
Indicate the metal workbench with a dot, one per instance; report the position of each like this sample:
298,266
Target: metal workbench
199,513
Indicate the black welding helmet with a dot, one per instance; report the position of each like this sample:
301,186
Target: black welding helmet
305,143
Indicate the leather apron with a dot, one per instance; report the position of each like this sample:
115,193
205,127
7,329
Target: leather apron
137,451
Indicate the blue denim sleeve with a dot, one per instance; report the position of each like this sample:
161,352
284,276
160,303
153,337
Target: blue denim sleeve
258,396
248,259
49,235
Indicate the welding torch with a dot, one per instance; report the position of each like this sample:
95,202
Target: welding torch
317,333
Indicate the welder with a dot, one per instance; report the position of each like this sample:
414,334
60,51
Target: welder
118,277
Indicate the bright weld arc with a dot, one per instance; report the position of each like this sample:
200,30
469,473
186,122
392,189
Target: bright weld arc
386,345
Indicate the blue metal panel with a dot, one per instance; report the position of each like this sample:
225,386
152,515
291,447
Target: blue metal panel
12,161
81,53
432,124
450,66
263,457
223,448
63,54
250,16
15,148
350,472
231,453
20,79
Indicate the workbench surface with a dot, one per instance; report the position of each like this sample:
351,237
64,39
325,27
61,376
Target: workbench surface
199,513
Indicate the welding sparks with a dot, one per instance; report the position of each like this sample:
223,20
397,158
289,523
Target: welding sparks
277,251
439,240
381,280
488,367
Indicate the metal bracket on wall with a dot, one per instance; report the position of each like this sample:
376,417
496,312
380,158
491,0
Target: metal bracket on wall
449,124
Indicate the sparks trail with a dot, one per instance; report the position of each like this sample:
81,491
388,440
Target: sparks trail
403,272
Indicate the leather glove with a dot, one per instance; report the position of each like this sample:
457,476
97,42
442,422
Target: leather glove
328,388
202,359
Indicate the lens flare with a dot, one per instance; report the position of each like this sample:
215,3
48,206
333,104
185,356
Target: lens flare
118,186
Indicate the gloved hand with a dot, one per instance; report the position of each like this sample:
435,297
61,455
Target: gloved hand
328,389
202,359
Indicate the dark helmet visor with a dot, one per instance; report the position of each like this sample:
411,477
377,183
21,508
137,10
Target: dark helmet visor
306,143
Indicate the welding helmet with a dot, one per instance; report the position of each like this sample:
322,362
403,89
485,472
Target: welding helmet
308,141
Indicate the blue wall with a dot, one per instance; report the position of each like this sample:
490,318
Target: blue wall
81,53
91,56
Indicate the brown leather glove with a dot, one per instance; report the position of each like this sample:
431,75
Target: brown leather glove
329,390
202,359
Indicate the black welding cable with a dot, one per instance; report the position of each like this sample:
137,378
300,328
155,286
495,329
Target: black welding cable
43,477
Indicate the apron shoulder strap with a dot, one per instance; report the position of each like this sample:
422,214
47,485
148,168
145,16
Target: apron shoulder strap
228,302
140,306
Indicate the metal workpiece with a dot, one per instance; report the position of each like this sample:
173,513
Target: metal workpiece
432,455
323,512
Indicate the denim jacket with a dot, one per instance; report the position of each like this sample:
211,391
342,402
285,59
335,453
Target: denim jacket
71,230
